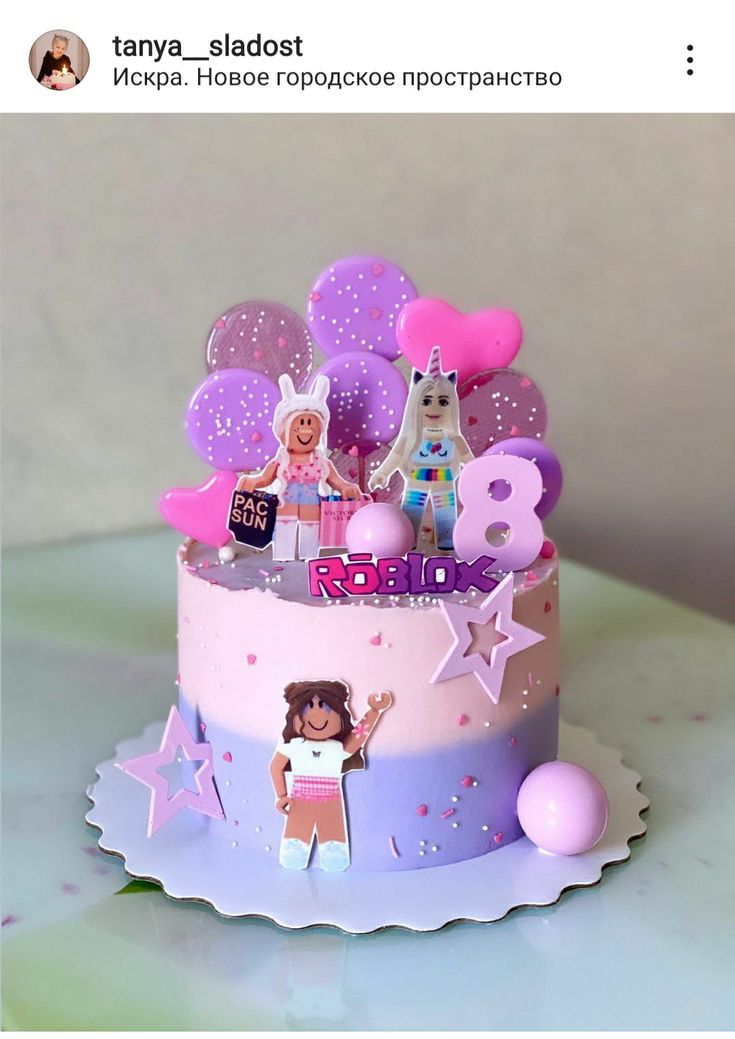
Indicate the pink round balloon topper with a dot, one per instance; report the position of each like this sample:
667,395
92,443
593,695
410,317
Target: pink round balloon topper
499,404
380,528
367,395
469,343
228,419
354,305
263,337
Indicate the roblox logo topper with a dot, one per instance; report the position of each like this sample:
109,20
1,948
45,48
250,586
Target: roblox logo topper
337,577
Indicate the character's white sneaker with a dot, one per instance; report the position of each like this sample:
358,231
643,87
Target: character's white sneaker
334,856
294,854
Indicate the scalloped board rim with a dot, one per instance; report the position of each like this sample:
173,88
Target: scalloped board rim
633,801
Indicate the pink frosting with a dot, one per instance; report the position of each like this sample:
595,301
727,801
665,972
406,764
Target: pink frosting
239,649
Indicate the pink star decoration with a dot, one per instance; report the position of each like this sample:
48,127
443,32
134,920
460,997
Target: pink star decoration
464,622
163,807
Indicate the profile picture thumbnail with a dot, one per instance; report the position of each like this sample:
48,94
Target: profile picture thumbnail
59,60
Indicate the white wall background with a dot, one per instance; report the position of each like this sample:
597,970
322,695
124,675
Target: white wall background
612,237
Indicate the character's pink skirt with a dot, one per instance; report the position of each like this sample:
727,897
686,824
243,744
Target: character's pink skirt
316,788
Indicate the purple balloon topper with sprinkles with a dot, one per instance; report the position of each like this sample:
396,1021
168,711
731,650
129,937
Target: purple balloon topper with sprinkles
264,337
499,404
367,395
354,305
228,419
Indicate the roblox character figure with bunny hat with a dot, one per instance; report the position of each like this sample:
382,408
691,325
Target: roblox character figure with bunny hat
320,743
300,423
429,450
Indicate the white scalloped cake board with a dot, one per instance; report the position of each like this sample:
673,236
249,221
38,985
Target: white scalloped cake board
190,864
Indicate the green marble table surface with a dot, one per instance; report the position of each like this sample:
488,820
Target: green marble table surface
89,658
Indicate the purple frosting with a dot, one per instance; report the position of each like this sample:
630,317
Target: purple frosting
382,800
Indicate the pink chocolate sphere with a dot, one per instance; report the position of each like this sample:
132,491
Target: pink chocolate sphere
380,528
562,808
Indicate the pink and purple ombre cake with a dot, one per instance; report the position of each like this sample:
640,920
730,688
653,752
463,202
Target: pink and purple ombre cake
444,765
368,608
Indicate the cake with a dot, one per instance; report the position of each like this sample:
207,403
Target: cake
444,764
368,611
61,79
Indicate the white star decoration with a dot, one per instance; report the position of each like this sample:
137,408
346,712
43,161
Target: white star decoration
461,620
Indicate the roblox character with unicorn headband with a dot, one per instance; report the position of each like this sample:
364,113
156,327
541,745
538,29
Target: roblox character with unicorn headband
300,423
429,450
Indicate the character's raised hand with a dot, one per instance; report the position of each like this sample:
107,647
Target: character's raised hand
352,492
380,701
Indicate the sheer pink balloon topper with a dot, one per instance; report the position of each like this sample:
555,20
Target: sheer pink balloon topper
263,337
496,405
358,467
354,305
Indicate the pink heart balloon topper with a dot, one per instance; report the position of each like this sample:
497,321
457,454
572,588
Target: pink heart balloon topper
201,512
469,342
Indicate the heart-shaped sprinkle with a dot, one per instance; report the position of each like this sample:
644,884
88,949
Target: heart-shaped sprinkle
498,838
376,639
378,269
315,297
220,323
258,355
256,437
282,342
525,382
472,420
354,473
375,313
466,781
462,719
547,607
531,576
353,452
422,810
512,742
547,550
251,658
227,757
514,431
